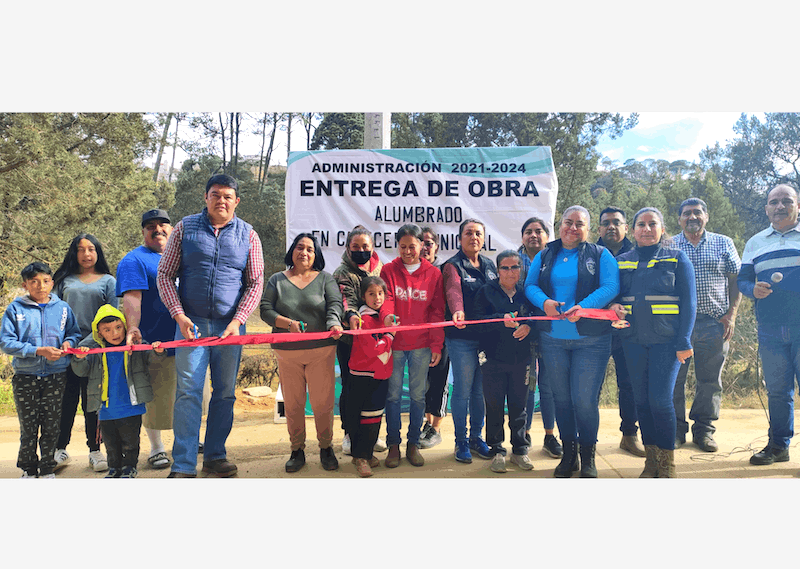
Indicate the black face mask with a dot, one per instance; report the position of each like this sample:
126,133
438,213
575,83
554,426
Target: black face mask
360,257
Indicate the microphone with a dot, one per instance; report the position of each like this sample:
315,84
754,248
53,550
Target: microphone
776,277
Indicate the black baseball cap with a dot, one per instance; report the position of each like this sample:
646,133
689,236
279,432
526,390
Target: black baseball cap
155,214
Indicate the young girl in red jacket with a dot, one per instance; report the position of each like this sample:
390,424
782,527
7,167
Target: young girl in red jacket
415,295
370,367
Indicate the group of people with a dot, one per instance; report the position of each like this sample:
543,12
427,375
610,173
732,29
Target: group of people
204,277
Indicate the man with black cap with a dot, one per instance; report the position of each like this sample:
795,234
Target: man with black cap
147,318
218,260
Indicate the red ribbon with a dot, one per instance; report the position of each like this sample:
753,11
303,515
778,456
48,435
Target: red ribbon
593,313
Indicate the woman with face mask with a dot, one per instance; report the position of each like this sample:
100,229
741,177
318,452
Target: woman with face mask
359,261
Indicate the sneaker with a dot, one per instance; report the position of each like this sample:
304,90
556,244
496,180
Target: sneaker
26,474
61,457
425,428
128,472
328,459
380,445
480,448
498,463
431,439
769,455
552,447
347,446
462,452
522,461
51,475
98,461
113,473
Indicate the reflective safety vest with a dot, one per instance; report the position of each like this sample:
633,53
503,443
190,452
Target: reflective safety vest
647,291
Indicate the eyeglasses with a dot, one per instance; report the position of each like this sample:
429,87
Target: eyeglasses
511,268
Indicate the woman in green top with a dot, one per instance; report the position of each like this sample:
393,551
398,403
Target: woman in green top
304,298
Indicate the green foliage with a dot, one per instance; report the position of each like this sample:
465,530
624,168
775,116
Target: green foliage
63,173
762,156
339,131
264,210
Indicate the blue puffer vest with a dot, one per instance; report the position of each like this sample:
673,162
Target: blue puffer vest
212,267
588,282
647,291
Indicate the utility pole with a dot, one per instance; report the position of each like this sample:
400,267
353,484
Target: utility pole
377,130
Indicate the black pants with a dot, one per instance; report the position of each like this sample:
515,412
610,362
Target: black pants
38,401
366,400
500,382
436,396
343,350
76,389
121,437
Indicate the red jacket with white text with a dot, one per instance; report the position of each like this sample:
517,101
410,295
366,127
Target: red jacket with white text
415,299
372,353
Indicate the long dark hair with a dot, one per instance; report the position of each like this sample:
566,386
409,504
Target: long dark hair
319,260
70,266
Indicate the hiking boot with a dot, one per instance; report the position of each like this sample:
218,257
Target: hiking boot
362,467
666,463
706,442
588,469
221,467
650,462
569,461
631,444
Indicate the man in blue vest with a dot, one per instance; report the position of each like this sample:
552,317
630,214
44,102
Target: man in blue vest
218,260
771,275
613,236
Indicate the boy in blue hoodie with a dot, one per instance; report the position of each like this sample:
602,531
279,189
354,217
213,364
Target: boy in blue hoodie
119,387
36,329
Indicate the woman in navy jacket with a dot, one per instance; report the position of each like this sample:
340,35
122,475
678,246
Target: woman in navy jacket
658,294
507,346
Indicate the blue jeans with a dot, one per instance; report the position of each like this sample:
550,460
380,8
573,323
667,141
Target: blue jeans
653,369
575,370
779,347
546,405
418,362
627,403
709,356
467,388
190,366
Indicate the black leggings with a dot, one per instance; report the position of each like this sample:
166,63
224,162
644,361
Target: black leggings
76,389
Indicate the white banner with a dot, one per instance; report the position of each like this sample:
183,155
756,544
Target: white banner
329,192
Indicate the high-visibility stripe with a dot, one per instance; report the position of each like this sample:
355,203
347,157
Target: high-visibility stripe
627,265
653,262
662,297
628,298
623,265
666,309
628,307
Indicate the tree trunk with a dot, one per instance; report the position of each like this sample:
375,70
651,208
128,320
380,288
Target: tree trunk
261,172
161,145
288,137
174,147
222,130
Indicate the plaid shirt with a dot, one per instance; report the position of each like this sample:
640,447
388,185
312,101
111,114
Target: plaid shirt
714,258
253,278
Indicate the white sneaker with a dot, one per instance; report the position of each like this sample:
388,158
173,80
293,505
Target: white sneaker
26,475
51,475
522,461
380,445
498,463
346,446
98,461
61,456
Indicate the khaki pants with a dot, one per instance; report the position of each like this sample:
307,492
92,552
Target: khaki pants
164,380
312,369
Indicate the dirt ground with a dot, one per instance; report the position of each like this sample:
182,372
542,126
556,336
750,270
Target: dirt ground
260,447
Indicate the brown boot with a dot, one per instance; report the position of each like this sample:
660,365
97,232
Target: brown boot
393,458
631,444
413,455
666,463
650,462
362,467
373,462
